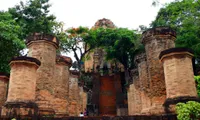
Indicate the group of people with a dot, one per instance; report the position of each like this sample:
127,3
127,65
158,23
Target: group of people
84,114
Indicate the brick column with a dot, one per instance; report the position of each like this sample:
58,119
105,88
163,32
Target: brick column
61,77
43,47
179,76
22,85
4,78
140,61
155,41
73,94
134,99
137,106
130,99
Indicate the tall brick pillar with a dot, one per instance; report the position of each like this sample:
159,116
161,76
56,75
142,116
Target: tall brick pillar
137,106
179,76
140,61
22,86
155,41
73,94
4,78
134,99
61,91
43,47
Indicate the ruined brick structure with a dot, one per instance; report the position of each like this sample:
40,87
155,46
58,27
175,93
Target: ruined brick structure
4,79
159,86
40,83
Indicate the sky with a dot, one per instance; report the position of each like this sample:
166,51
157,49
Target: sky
123,13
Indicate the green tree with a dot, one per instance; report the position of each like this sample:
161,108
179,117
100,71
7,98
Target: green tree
184,17
80,41
121,45
33,16
10,44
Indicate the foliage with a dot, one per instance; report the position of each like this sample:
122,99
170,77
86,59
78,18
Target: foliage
10,44
184,17
87,79
120,44
188,111
197,79
79,40
33,16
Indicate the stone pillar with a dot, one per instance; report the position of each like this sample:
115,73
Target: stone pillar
22,86
73,94
43,47
4,78
137,106
140,61
155,41
134,99
179,76
130,99
61,77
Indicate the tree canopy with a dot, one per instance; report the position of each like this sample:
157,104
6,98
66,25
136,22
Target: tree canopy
79,40
184,17
10,43
20,21
33,16
121,44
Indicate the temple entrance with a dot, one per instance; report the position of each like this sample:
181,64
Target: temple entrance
107,96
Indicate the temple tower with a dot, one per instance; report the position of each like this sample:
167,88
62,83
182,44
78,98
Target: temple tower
156,40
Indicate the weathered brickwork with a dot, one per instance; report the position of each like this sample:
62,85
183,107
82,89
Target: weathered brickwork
155,41
4,79
22,80
43,47
179,76
107,96
134,97
61,77
74,100
140,61
22,86
130,99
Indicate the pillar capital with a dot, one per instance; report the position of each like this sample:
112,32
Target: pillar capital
175,52
24,59
64,60
39,37
158,31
